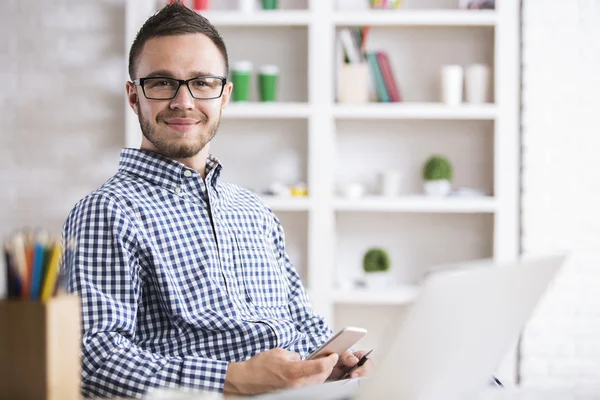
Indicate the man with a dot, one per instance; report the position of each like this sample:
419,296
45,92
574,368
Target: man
184,278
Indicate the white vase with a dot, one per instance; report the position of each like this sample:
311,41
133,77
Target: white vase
378,280
438,188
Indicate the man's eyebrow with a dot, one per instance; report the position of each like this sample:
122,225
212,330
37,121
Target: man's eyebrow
168,74
160,72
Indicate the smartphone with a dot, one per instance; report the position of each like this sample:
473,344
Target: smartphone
340,342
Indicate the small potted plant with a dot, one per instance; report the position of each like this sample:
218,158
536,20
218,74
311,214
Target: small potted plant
376,264
437,173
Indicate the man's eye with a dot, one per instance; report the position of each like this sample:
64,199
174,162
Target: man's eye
159,83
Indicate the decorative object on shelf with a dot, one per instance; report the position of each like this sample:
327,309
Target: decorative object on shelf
452,84
389,183
201,5
385,4
267,82
278,189
241,73
353,190
437,173
270,4
477,83
299,189
477,4
376,265
246,6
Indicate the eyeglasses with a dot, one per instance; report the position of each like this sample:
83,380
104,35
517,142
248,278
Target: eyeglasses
201,87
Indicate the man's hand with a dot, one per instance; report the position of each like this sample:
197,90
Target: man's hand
276,369
348,360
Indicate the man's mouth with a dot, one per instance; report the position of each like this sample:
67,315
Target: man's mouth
181,124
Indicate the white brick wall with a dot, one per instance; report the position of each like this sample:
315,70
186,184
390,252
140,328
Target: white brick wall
561,186
61,106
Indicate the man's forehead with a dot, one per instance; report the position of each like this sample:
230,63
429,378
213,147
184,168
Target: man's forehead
188,52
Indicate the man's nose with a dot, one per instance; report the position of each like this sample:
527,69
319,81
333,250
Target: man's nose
183,99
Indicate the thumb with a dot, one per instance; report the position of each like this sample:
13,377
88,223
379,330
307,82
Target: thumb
331,360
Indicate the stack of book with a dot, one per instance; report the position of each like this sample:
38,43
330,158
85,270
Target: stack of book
382,77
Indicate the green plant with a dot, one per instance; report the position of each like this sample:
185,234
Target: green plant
376,260
437,167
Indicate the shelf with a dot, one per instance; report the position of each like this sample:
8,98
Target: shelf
266,110
415,111
416,18
400,295
418,204
287,203
258,18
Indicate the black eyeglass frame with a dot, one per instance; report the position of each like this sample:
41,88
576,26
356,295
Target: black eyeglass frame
140,82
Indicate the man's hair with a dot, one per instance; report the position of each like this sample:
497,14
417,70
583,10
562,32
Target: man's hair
174,19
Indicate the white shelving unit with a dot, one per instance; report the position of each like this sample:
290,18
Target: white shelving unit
417,204
415,111
267,110
416,18
331,143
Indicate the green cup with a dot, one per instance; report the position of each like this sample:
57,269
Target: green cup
267,82
241,73
269,4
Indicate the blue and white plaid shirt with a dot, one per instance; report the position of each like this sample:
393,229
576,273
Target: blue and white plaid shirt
169,298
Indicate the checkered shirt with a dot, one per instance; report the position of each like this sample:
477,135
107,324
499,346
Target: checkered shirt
169,298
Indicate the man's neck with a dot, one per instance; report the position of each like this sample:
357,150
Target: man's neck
197,162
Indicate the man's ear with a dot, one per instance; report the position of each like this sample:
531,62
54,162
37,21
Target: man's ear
226,94
132,97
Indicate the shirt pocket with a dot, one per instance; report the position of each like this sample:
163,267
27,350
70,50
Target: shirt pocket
263,279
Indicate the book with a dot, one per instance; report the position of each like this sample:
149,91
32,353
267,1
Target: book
380,88
388,76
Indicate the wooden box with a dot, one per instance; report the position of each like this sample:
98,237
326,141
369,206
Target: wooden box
40,349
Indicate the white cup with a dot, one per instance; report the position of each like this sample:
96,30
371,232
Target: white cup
390,183
246,6
353,190
452,84
477,83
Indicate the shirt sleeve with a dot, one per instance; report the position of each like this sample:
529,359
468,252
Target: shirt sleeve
103,268
307,321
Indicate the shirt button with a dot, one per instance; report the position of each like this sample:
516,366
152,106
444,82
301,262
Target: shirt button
187,173
177,190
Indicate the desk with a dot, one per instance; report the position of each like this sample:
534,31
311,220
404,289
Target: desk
587,393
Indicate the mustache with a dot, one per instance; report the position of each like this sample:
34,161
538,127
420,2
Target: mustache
165,115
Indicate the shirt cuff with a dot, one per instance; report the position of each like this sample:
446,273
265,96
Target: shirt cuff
203,373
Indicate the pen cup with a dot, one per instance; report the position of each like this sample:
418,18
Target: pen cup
40,344
354,84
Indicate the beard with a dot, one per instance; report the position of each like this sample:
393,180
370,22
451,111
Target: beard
169,146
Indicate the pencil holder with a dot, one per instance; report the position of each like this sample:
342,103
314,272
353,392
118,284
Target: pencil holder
354,84
40,345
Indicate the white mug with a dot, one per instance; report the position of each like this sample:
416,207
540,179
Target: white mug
477,83
452,84
390,183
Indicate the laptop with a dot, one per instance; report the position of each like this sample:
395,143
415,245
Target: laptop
452,338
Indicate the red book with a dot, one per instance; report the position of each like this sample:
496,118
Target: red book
388,77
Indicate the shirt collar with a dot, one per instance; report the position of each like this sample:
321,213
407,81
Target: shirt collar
163,171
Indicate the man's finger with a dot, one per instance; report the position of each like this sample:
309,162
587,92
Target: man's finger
348,359
314,367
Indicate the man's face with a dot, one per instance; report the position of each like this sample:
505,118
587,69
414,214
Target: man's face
180,127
